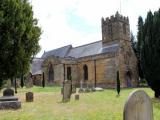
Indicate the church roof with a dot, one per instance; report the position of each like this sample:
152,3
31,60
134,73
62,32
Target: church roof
85,50
60,52
82,51
110,48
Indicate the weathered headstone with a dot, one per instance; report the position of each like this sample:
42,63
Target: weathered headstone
8,92
66,91
138,107
8,100
81,89
77,97
61,90
73,88
29,97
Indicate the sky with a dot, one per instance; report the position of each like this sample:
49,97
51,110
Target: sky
78,22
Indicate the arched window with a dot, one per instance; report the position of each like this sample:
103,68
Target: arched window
50,73
85,72
128,79
69,73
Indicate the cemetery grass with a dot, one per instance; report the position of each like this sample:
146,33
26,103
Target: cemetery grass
47,105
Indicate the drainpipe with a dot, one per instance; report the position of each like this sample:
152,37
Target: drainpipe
64,72
95,77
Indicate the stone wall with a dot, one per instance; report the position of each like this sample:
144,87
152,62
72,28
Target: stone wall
57,71
106,66
101,71
127,62
37,80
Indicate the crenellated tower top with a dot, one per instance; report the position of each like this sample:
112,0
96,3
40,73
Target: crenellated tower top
115,28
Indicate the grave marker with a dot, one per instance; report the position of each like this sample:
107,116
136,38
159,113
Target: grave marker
138,107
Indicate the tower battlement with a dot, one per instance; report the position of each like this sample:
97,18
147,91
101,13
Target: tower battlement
115,28
114,18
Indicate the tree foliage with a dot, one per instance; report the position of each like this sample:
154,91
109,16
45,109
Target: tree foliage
133,42
139,45
150,50
19,36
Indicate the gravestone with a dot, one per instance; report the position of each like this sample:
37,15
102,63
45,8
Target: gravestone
73,88
29,97
67,91
8,92
81,87
8,100
138,107
77,97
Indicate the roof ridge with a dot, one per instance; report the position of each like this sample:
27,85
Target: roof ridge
58,48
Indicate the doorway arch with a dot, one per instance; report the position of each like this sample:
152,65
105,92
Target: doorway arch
128,79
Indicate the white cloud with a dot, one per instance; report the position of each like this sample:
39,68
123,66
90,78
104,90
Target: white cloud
58,30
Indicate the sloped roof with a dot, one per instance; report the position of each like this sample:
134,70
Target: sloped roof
60,52
36,66
82,51
85,50
110,48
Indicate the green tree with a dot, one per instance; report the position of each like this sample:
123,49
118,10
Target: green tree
140,33
150,51
139,45
118,83
43,80
19,37
133,42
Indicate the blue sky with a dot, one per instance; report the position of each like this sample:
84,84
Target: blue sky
78,22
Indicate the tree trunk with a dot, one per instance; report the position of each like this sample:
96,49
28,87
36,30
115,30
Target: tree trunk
15,85
1,83
43,81
22,81
12,82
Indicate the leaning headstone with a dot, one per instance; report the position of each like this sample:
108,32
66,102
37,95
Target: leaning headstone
29,97
138,107
8,100
66,91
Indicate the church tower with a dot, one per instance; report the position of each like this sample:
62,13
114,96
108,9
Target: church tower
115,29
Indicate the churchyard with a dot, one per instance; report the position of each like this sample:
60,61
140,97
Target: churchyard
48,105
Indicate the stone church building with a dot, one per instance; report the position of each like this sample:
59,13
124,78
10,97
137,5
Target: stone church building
95,64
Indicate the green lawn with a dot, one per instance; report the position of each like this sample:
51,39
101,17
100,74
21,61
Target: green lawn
47,105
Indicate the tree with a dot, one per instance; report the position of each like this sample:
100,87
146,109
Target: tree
150,51
133,43
118,83
43,81
140,33
139,45
19,37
